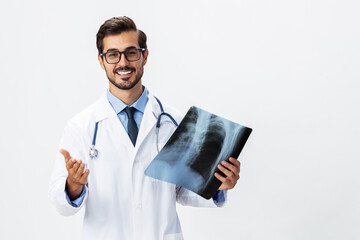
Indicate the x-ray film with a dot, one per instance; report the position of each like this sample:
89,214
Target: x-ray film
190,157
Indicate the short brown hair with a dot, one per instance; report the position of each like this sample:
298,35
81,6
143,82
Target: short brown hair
117,25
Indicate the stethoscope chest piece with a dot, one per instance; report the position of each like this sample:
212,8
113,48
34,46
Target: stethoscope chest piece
93,153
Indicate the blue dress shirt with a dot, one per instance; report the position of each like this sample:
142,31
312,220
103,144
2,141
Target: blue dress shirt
118,107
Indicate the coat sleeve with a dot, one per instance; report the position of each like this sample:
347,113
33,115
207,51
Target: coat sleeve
71,142
188,198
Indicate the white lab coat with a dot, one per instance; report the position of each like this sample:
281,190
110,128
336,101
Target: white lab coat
121,202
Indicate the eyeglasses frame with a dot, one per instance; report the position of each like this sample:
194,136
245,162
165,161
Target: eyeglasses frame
123,52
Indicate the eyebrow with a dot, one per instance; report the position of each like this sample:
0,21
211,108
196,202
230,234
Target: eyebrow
115,49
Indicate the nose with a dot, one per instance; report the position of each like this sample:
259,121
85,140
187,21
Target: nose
123,62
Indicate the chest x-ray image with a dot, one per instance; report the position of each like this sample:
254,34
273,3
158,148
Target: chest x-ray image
190,157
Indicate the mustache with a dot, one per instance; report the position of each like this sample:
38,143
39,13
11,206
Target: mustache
124,69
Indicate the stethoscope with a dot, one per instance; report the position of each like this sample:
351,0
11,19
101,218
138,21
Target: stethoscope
93,153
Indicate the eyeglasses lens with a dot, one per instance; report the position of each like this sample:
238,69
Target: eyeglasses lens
130,55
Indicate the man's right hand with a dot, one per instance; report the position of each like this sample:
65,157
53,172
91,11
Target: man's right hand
77,178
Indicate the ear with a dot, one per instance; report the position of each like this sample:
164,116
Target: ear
101,61
146,54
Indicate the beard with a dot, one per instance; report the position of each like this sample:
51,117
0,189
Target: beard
126,83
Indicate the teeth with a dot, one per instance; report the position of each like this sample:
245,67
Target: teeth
123,73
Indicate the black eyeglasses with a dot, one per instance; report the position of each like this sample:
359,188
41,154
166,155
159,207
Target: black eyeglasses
131,54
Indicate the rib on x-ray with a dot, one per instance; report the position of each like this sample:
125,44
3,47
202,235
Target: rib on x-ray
190,157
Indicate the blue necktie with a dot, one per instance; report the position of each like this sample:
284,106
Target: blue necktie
132,127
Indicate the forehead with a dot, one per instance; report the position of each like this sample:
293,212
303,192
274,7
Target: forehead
121,41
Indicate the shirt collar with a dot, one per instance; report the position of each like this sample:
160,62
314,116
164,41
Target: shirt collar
119,105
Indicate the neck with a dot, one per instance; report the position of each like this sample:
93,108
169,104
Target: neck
128,96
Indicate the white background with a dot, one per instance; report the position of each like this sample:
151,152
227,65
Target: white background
288,69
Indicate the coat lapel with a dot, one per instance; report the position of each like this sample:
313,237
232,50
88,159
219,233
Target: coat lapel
152,110
105,113
103,110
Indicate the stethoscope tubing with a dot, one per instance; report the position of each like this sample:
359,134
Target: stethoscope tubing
94,152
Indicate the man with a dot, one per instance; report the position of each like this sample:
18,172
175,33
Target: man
120,201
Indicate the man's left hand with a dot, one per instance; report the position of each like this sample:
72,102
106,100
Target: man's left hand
232,173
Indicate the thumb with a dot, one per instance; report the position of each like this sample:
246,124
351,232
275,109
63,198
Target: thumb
65,153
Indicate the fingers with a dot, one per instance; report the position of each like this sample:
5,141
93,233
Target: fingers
66,154
70,163
76,166
235,162
227,172
231,171
77,175
81,168
221,178
231,168
84,176
226,183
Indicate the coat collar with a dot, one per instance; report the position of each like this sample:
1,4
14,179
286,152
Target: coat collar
103,110
119,105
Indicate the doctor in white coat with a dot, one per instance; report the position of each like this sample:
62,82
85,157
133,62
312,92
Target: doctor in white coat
120,201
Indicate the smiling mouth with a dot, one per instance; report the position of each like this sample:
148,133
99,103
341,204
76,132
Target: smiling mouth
123,73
